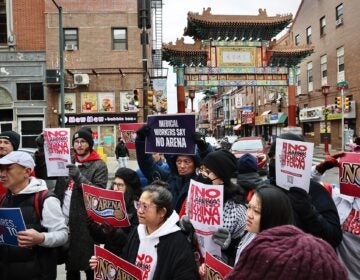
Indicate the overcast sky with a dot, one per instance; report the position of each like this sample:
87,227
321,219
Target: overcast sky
175,20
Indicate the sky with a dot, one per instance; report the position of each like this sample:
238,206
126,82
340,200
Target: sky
175,20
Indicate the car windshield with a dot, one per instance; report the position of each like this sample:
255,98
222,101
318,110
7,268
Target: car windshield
247,145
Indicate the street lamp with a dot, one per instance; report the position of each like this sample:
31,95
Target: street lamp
192,96
325,92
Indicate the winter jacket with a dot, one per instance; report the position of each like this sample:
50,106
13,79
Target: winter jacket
121,150
39,262
93,172
175,259
249,181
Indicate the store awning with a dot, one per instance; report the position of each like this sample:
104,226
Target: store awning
282,118
237,127
266,113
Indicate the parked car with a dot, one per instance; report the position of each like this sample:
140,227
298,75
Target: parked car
213,142
255,146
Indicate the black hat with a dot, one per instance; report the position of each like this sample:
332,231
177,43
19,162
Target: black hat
222,163
247,163
13,137
85,133
288,136
131,179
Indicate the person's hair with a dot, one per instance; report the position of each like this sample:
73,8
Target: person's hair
357,141
234,192
160,196
132,182
276,209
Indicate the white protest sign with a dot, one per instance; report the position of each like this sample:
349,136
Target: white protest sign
57,151
205,211
293,163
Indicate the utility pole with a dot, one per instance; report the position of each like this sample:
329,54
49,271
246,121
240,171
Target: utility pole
61,58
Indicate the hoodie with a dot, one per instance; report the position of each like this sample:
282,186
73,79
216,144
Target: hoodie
147,252
52,217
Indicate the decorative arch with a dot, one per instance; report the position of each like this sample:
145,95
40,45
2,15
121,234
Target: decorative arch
5,96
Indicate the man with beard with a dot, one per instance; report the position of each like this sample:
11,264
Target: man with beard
88,168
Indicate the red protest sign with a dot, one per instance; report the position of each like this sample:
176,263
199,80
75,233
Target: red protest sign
128,133
112,267
105,206
215,269
349,174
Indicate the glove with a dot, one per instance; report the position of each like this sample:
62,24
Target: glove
185,225
143,132
74,172
92,225
199,140
107,229
222,237
329,162
301,204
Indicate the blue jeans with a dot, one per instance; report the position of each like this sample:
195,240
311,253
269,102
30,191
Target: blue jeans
122,162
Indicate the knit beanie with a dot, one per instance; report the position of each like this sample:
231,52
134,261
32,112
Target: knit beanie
288,136
13,137
247,163
130,178
286,252
85,133
222,163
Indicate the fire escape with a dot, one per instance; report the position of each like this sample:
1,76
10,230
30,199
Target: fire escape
158,71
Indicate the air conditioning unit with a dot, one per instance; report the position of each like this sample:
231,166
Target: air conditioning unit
70,47
339,21
81,79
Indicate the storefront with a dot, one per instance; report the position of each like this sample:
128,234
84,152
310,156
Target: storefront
262,122
247,120
277,122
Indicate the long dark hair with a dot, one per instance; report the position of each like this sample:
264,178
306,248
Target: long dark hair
276,209
234,192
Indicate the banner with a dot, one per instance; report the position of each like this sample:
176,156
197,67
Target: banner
215,269
349,175
11,221
112,267
105,206
128,133
171,134
293,163
205,210
57,151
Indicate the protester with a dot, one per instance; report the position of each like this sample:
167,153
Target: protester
9,141
35,257
127,182
158,237
88,168
160,161
182,167
248,177
122,153
286,252
315,212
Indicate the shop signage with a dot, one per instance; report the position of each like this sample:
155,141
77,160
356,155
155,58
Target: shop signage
90,119
247,117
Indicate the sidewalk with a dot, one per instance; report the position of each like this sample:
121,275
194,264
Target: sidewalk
113,165
319,154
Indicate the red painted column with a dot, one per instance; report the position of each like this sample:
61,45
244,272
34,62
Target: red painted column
180,89
291,98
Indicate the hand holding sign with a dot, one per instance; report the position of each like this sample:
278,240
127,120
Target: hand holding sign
329,162
143,132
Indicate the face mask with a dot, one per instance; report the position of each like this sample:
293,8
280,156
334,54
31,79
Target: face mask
202,179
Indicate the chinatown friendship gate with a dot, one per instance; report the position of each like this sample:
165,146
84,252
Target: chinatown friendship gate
235,52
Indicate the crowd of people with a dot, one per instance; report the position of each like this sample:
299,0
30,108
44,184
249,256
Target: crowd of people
267,232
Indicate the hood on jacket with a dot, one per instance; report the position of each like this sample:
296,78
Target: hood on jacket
166,228
34,186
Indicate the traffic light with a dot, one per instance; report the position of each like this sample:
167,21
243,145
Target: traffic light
347,104
136,97
150,98
338,103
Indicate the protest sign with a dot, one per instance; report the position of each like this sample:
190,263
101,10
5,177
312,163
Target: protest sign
205,211
11,221
349,174
112,267
105,206
128,133
293,163
57,151
171,134
215,269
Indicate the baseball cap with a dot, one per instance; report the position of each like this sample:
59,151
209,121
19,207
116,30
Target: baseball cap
18,157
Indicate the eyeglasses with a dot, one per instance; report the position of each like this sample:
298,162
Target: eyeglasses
80,142
118,185
205,173
142,205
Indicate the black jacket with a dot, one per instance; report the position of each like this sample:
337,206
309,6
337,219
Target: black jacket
175,258
121,150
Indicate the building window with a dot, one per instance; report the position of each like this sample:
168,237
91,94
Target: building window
340,64
297,40
3,25
323,69
298,81
30,91
71,39
119,39
308,35
310,77
322,26
339,14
